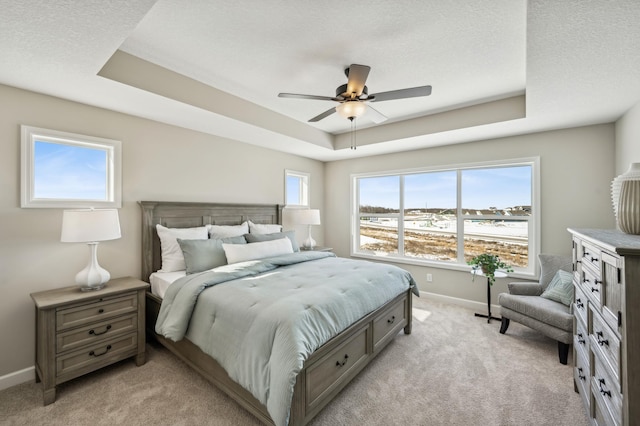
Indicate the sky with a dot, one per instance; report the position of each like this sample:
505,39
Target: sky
69,172
498,187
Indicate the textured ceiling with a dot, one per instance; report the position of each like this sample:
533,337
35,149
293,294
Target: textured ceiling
217,66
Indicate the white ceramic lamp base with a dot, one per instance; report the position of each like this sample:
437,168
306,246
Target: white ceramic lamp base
309,243
93,277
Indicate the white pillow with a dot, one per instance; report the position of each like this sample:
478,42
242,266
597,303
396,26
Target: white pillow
242,252
259,228
226,231
172,257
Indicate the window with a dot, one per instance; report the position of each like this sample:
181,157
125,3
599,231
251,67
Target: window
444,217
69,171
296,188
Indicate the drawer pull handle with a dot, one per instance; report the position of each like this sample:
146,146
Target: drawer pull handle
100,311
581,339
598,282
579,304
595,290
341,364
601,339
107,328
602,389
392,320
107,349
586,280
594,259
580,375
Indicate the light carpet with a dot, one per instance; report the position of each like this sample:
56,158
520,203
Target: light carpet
454,369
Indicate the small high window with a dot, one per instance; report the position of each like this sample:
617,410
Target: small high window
67,170
296,188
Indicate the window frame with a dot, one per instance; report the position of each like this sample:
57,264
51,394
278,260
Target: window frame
304,188
29,135
534,220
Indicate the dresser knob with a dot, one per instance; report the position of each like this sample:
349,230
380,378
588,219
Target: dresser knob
602,389
580,375
601,339
392,320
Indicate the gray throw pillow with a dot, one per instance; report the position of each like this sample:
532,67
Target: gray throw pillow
258,238
202,255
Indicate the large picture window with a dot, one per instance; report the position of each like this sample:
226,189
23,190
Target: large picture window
68,170
446,216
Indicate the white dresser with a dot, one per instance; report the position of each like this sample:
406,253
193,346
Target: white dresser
606,349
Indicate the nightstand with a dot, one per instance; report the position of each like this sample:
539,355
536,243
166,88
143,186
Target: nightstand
317,248
78,332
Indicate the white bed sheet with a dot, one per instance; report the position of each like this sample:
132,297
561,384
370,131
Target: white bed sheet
160,281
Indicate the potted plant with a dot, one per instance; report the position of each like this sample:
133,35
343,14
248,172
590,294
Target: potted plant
489,264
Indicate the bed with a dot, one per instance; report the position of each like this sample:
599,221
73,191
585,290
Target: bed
326,371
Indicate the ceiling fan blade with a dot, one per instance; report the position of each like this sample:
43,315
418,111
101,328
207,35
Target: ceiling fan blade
313,97
412,92
323,115
357,78
375,115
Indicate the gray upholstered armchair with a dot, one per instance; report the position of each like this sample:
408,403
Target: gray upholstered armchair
524,305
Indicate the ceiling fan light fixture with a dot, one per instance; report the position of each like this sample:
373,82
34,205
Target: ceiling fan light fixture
351,109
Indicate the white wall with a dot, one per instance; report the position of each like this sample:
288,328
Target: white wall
160,162
577,166
628,139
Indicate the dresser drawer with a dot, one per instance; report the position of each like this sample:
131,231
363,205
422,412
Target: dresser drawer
96,332
390,322
606,392
605,343
581,337
582,376
101,309
324,373
591,285
580,305
95,356
591,257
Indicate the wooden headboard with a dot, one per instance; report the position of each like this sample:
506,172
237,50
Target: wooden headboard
188,215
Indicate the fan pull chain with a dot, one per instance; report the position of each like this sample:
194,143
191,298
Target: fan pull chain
353,133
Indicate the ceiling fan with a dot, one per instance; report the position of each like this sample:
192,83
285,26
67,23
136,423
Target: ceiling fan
354,96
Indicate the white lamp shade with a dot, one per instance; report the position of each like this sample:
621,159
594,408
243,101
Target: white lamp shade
351,109
306,216
87,225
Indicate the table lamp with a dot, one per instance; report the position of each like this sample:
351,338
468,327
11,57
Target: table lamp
90,226
307,217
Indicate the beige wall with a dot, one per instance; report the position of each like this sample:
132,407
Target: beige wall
628,139
576,165
160,162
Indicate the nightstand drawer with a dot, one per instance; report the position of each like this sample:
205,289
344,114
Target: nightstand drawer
104,308
95,356
78,337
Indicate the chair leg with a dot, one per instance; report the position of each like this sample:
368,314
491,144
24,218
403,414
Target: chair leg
504,325
563,352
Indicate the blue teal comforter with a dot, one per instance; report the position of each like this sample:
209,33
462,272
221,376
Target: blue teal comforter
260,320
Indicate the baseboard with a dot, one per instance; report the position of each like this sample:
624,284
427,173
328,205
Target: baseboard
17,377
470,304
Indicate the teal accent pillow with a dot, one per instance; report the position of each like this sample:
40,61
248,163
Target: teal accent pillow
258,238
560,288
202,255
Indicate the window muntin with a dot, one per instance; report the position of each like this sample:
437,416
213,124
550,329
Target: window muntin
450,215
67,170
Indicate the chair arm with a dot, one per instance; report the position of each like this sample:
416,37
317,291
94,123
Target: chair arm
525,289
